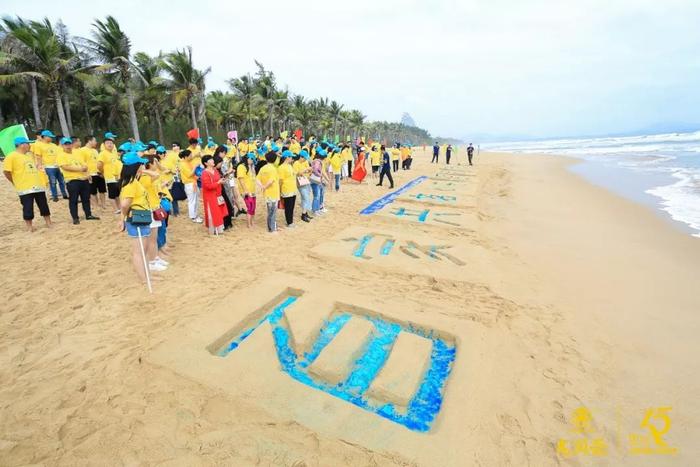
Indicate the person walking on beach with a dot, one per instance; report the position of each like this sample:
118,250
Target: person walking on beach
470,153
448,153
75,173
436,152
20,168
48,151
98,187
386,168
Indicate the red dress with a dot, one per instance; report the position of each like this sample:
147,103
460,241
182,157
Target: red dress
360,172
211,192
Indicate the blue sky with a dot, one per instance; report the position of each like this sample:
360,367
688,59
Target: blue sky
533,68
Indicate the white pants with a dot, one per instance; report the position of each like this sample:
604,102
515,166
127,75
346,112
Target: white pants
191,192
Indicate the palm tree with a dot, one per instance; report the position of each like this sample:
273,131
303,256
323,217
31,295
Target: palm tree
184,79
152,86
357,121
34,51
111,45
244,88
334,110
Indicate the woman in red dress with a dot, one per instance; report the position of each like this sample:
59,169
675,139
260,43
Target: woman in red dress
360,172
214,204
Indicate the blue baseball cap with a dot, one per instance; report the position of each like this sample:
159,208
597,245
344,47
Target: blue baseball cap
131,158
139,146
110,135
304,153
251,155
287,154
48,133
160,149
126,147
275,148
22,140
66,140
154,143
321,153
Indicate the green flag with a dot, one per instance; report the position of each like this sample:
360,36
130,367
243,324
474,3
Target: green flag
337,139
7,138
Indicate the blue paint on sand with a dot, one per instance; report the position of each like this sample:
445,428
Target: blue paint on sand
380,203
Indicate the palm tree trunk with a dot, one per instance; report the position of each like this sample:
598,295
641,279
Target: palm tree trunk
270,112
2,118
35,103
59,110
66,109
193,115
160,125
87,111
132,110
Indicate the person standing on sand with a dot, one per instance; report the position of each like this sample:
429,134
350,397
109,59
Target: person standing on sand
75,173
21,170
436,153
448,153
269,179
470,153
386,168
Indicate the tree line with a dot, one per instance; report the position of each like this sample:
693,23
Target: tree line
87,85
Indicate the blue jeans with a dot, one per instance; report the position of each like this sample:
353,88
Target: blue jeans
55,175
271,216
322,192
305,192
316,204
162,231
337,182
176,208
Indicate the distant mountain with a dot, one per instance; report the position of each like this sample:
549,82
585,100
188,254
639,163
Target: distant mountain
407,120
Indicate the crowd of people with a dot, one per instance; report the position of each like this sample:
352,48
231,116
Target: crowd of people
145,182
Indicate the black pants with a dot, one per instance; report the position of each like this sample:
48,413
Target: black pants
289,209
435,158
78,189
349,168
447,156
228,219
386,171
396,165
28,201
470,158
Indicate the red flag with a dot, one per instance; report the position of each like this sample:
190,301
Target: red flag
193,133
297,134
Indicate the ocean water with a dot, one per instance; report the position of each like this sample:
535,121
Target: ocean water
662,171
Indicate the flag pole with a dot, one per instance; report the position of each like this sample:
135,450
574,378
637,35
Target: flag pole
145,263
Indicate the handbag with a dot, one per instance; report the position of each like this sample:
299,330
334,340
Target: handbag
159,214
302,181
220,200
140,217
315,179
178,191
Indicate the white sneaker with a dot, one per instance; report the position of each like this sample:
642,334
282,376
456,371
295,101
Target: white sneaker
156,267
324,210
161,261
318,213
198,220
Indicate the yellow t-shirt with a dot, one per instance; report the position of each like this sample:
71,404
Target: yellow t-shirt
197,153
232,151
295,148
89,155
300,166
376,158
395,153
26,178
246,179
269,174
111,165
404,153
288,180
187,172
137,193
347,154
243,147
169,163
208,151
151,190
74,158
48,153
336,163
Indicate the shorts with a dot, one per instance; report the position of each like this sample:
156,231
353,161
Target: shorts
132,231
250,203
155,224
28,200
375,169
98,185
113,190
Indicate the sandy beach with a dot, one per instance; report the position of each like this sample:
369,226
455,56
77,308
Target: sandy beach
557,295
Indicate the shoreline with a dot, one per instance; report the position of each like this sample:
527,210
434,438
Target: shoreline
567,296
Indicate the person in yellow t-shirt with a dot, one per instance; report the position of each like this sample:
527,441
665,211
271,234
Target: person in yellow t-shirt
196,151
75,172
150,179
135,197
269,180
109,167
232,150
336,162
288,186
295,147
21,169
98,188
47,152
189,179
302,169
245,174
395,156
375,157
348,159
